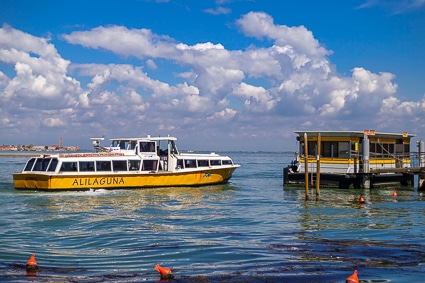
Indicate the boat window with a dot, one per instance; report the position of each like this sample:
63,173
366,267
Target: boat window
131,145
147,146
122,144
189,163
227,162
179,164
53,164
29,164
86,165
203,163
119,165
103,165
149,165
133,165
215,162
41,164
162,149
68,166
173,148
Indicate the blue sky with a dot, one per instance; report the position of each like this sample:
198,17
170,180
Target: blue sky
218,75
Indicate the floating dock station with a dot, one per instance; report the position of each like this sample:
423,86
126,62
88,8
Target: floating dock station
355,159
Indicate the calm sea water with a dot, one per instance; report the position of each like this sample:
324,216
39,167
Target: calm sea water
252,229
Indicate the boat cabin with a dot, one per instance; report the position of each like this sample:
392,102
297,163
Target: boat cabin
127,155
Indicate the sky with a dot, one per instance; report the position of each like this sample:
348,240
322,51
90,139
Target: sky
219,75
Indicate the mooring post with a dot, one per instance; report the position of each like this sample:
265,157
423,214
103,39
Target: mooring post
306,165
421,180
366,169
421,153
318,165
421,164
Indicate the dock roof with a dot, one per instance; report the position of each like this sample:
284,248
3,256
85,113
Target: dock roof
355,134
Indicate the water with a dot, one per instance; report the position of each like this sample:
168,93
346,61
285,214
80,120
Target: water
249,230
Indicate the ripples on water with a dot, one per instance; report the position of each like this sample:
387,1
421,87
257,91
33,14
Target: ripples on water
249,230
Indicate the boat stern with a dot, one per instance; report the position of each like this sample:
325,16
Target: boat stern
27,181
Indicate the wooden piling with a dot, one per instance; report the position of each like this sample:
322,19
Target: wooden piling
306,165
421,180
318,165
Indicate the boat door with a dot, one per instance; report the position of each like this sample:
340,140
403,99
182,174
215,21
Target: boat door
162,151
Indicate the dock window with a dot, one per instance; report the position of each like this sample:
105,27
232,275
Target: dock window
103,165
29,165
133,165
343,151
149,165
382,150
86,165
203,163
119,165
329,149
69,167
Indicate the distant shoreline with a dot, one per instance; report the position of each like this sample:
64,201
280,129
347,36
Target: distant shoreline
19,154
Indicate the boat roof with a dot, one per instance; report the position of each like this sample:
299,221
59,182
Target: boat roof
145,138
356,134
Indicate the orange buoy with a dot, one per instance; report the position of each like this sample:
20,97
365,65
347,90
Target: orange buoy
164,271
394,193
32,264
361,199
353,278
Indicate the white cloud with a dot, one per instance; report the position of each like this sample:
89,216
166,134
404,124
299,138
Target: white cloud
40,72
151,64
261,25
121,40
395,6
218,11
53,122
264,92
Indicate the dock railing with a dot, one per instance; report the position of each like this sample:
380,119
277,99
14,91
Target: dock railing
416,162
417,159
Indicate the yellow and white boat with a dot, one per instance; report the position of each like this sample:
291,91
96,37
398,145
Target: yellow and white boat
128,163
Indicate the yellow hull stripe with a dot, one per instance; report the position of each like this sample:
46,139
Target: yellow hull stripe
114,181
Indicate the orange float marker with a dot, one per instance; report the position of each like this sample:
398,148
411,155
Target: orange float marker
32,264
164,271
394,193
353,278
361,199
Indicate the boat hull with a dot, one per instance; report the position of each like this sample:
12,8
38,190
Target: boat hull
44,181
